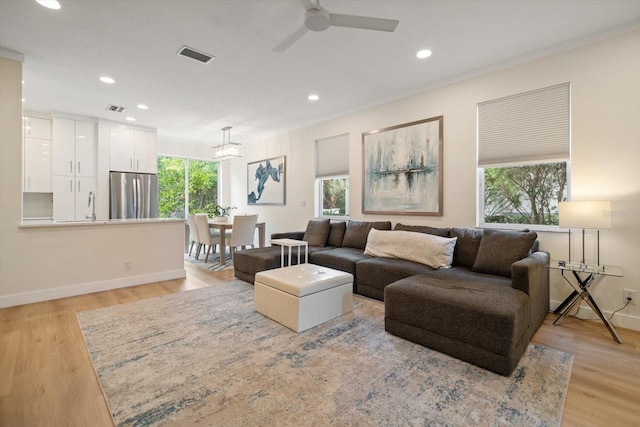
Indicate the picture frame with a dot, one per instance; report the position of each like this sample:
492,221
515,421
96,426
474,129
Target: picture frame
266,181
402,169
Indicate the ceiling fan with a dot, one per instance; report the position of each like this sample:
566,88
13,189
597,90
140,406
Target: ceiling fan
317,18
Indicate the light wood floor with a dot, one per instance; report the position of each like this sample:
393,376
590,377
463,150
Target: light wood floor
46,376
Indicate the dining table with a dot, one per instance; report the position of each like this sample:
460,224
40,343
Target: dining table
223,226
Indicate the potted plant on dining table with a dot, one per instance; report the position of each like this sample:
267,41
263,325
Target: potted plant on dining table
220,213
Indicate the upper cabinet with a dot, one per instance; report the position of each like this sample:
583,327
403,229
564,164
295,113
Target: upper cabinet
132,150
74,148
37,155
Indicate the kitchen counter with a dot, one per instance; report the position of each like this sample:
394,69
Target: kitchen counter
42,223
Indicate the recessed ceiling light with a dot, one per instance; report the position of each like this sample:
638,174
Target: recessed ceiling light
142,107
24,100
105,79
313,97
50,4
131,119
23,82
423,54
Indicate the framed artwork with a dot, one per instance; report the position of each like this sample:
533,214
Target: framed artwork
402,169
266,182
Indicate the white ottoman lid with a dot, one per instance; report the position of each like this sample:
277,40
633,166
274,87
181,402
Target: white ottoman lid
303,279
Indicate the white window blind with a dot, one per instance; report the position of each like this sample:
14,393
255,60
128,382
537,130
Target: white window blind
527,127
332,156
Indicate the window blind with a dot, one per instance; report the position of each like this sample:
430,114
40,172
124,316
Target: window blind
332,156
526,127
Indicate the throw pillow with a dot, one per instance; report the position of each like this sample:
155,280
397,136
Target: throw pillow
466,246
442,232
317,232
499,249
357,232
336,233
428,249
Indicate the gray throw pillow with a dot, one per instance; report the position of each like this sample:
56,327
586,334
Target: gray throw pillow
336,233
442,232
358,231
499,249
466,250
317,232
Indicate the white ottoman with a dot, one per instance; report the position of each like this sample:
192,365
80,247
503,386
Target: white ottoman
303,296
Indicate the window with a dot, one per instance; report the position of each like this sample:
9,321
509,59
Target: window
523,157
332,176
186,182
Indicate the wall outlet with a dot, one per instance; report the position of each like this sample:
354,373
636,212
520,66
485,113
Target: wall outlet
127,265
629,294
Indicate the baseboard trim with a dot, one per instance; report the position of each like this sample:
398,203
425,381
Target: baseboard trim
619,319
87,288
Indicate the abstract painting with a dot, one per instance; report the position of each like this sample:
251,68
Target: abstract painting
402,170
265,182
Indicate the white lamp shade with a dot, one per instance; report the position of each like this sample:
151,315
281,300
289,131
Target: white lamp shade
593,214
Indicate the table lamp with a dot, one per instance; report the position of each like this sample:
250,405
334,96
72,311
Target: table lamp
585,214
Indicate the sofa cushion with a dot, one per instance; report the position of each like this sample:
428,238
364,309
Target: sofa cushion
336,233
434,251
358,231
317,232
467,246
499,249
442,232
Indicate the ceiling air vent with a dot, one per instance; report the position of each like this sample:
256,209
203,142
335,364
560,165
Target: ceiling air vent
196,55
115,108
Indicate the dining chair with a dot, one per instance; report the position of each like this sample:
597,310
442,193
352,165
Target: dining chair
193,234
205,234
243,232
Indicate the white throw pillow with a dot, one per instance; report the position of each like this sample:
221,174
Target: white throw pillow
434,251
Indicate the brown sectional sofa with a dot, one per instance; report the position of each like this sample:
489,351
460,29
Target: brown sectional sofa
484,309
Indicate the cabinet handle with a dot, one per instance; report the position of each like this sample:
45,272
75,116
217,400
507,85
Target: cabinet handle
70,166
137,164
71,185
78,186
78,167
131,163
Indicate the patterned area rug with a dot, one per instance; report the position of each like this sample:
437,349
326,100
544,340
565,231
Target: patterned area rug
212,264
205,357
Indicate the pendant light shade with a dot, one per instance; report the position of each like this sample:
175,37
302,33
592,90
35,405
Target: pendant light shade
227,150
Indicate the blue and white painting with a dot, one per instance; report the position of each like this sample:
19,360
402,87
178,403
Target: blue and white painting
265,182
403,169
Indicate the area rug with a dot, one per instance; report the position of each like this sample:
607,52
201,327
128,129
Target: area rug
205,357
212,264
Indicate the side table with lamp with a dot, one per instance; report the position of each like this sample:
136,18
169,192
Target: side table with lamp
585,215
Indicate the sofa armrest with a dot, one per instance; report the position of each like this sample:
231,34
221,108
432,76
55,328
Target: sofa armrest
297,235
531,276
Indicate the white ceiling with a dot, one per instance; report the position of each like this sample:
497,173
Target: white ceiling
260,92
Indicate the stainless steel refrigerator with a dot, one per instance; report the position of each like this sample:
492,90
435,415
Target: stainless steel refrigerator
133,195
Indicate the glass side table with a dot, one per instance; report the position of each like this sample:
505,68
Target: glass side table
585,276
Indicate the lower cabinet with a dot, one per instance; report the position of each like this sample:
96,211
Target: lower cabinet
71,197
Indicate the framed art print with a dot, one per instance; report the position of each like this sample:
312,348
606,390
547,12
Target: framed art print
266,182
402,169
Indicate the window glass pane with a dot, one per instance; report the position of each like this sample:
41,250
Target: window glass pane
524,194
335,196
171,179
203,186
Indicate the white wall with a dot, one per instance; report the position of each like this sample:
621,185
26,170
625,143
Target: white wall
44,263
605,154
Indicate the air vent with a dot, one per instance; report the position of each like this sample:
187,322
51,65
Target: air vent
196,55
115,108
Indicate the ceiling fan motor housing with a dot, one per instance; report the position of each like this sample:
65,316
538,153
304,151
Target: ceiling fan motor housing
317,19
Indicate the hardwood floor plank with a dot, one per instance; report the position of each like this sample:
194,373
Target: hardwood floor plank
47,378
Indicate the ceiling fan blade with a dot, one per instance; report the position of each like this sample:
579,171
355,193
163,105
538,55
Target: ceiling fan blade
291,39
363,22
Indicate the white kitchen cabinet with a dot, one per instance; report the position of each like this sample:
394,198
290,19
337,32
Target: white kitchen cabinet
74,148
132,150
37,165
35,127
71,197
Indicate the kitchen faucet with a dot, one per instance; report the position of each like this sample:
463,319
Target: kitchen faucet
92,202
